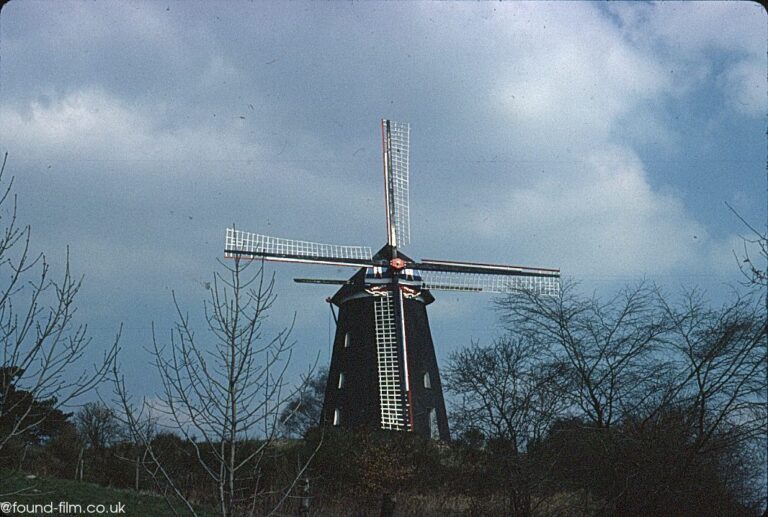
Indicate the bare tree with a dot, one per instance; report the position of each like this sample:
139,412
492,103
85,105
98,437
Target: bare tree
505,390
755,270
133,449
509,393
42,344
721,358
675,385
222,393
97,425
98,429
606,350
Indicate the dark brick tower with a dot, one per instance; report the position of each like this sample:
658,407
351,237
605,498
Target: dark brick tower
378,380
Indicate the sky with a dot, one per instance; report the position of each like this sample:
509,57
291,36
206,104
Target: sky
604,139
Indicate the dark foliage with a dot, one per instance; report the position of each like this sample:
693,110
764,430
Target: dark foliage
303,412
640,406
653,470
31,421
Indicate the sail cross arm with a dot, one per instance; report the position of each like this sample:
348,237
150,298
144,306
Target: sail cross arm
322,281
476,267
254,245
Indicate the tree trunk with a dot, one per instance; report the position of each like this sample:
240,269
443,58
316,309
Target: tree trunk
137,473
79,465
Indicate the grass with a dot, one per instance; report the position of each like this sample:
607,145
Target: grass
19,488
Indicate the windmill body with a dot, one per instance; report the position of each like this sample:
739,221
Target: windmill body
384,372
375,381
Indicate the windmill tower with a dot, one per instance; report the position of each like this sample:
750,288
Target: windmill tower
383,372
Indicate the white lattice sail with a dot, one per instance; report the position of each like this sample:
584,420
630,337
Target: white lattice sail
238,243
456,281
390,392
397,151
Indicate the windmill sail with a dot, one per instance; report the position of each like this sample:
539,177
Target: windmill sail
495,278
240,243
388,358
396,144
490,283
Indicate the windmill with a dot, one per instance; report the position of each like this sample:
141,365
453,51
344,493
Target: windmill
383,372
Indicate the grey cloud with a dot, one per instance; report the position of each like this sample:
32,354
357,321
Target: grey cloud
163,126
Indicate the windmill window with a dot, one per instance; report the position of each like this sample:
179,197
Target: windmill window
347,339
427,380
341,380
434,430
336,417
